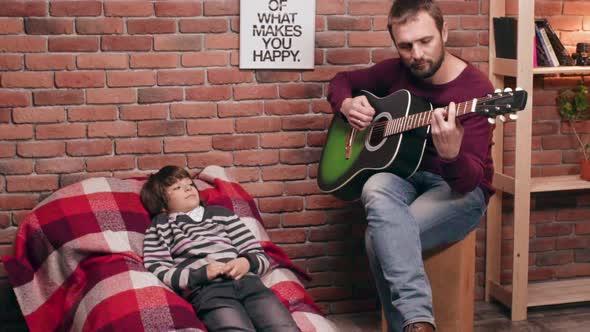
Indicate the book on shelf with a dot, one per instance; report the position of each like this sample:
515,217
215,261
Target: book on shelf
542,60
550,50
535,57
542,50
505,37
561,52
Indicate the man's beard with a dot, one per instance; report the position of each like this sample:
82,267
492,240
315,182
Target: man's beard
432,68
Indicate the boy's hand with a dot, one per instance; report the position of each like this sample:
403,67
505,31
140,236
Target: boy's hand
236,268
214,270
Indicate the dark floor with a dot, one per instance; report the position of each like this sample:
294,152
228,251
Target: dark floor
488,318
491,317
562,318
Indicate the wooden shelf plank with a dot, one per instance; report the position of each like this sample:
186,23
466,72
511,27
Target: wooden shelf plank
547,292
562,70
558,292
505,183
558,183
507,67
500,293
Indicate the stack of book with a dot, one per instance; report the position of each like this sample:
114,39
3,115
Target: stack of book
549,51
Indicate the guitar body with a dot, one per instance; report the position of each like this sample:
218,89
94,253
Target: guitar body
370,153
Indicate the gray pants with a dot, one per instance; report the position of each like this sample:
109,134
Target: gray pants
242,305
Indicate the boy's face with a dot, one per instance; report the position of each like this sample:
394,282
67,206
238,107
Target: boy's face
182,196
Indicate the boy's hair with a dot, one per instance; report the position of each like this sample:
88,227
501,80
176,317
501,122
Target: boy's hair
403,10
153,193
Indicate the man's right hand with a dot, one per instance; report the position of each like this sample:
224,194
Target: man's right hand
214,270
358,111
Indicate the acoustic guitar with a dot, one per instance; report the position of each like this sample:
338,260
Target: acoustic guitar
396,138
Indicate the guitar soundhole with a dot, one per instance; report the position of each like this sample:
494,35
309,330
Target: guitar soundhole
377,133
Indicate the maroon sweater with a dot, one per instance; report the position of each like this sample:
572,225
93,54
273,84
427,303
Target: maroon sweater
473,166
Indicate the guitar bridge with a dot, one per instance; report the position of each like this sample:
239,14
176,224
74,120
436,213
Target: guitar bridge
349,141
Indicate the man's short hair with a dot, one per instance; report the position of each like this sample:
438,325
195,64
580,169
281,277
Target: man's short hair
403,10
153,192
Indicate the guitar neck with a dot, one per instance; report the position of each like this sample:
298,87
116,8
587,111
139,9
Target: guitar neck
417,120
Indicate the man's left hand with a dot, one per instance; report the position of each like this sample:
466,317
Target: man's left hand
236,268
447,132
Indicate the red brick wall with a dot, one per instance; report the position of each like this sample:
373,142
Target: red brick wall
120,88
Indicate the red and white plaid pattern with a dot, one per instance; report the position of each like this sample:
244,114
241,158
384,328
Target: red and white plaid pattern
78,261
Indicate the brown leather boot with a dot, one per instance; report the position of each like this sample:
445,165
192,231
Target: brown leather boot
419,327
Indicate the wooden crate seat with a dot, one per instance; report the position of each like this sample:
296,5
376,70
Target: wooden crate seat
451,272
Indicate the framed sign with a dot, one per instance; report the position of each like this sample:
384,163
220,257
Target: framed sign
277,34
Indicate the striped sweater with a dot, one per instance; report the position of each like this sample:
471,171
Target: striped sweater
178,250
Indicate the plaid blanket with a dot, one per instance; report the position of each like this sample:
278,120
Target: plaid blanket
78,261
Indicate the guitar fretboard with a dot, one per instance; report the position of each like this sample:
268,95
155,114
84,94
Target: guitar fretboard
417,120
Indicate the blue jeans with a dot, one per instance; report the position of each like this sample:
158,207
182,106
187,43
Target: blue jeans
406,217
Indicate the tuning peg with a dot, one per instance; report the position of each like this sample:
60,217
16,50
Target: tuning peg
502,118
492,120
497,90
507,90
513,116
518,89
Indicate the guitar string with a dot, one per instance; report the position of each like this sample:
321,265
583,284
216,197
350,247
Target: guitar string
381,125
402,122
412,118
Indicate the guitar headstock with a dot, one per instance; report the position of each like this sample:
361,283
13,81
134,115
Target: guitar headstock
502,102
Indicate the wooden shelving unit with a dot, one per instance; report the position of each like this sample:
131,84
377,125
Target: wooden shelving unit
521,294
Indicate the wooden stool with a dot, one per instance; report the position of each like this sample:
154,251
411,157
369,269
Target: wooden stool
451,272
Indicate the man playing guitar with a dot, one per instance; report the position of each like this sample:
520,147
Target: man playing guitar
445,198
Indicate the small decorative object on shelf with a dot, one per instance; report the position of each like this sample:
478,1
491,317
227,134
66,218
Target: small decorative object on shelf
582,54
573,107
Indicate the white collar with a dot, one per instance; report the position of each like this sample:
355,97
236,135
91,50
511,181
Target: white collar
195,214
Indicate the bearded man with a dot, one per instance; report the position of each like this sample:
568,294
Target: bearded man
445,198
